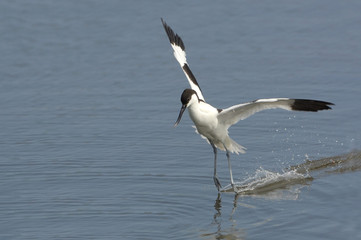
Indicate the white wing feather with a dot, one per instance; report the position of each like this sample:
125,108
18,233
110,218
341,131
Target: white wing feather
232,115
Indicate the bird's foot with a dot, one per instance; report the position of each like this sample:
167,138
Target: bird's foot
217,183
235,189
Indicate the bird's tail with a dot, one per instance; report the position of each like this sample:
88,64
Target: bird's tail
230,144
234,147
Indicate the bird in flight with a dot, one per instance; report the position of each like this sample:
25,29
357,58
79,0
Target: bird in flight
213,123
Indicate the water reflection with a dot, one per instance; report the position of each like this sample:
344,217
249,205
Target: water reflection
223,230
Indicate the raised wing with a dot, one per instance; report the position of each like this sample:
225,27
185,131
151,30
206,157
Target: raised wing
180,54
232,115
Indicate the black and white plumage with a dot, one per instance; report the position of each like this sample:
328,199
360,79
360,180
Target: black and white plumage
212,123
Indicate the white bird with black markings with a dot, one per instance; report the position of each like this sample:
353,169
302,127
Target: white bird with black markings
213,123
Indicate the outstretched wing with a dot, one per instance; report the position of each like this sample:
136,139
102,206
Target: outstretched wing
232,115
180,54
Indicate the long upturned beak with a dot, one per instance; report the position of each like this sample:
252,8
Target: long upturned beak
180,114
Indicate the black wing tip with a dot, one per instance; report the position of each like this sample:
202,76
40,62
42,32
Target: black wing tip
173,37
310,105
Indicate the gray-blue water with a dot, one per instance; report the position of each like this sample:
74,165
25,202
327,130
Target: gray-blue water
89,93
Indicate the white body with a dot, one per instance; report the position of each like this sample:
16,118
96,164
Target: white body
205,118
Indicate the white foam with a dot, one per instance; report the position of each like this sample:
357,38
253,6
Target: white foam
274,185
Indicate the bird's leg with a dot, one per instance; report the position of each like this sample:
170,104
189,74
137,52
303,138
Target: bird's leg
230,170
215,178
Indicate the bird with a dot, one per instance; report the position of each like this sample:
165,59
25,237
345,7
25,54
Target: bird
213,123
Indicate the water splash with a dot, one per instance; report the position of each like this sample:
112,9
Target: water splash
288,183
338,164
272,185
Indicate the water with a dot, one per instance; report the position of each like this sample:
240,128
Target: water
89,91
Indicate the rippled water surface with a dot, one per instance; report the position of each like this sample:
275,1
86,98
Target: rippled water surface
89,93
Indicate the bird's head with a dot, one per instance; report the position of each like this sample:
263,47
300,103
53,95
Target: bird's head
188,97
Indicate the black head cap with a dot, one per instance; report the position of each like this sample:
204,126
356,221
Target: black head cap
185,98
187,95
